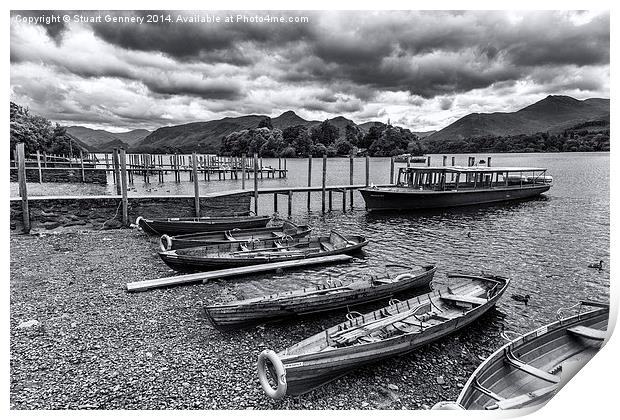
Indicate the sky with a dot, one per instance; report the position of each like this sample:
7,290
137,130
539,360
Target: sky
420,69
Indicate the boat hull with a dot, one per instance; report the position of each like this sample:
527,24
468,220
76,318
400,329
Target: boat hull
306,372
409,199
234,316
178,226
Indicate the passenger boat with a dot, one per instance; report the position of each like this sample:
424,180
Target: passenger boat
237,254
532,368
449,186
327,296
393,330
285,230
412,159
181,225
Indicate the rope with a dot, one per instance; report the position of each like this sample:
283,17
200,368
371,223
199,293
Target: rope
113,217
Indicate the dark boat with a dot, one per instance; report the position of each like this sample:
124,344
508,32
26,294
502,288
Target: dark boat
333,294
181,225
220,256
450,186
528,371
394,330
285,230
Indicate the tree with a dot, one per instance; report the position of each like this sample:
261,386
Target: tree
324,133
343,147
352,134
265,123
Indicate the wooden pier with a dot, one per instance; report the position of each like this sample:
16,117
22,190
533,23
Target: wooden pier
204,277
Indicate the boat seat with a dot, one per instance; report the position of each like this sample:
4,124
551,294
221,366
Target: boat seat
529,369
523,399
244,248
464,299
279,234
327,246
587,332
482,389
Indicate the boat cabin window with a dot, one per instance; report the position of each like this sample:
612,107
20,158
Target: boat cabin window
452,178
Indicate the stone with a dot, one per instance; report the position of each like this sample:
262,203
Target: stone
29,324
441,380
51,224
393,387
113,224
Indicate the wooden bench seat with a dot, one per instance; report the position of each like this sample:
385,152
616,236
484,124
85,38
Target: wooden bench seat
529,369
521,400
587,332
464,299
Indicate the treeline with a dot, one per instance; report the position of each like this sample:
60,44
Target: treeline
38,133
325,138
577,139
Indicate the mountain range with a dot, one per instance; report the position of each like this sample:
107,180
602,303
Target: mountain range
552,114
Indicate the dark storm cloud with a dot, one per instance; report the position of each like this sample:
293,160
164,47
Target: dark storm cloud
209,90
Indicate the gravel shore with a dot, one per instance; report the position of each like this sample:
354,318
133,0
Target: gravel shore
95,346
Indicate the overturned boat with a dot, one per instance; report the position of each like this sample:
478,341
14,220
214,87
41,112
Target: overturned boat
396,329
284,231
236,254
531,369
322,297
181,225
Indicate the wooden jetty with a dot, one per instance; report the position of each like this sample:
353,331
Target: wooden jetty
141,286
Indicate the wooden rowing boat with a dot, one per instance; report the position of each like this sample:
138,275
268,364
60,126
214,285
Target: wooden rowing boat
396,329
181,225
285,230
529,370
236,254
318,298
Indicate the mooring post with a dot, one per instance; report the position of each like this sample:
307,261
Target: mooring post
428,161
445,160
309,178
39,167
243,160
489,161
392,170
279,167
256,183
290,203
344,200
82,165
408,161
351,178
44,160
329,194
117,176
261,168
285,171
21,178
323,183
275,202
367,170
124,187
196,186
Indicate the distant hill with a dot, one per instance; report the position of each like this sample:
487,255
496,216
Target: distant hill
102,140
290,119
553,114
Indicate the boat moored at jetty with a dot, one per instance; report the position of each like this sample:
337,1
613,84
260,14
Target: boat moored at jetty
283,231
322,297
409,157
181,225
528,371
229,255
393,330
449,186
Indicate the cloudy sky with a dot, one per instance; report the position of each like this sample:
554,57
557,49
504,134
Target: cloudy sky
423,70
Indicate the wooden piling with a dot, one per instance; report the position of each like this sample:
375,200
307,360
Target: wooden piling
124,200
117,176
243,161
408,161
39,167
344,201
290,203
367,170
428,161
323,183
309,178
196,186
21,178
489,161
285,171
351,178
453,161
329,201
82,166
392,170
445,160
256,183
275,202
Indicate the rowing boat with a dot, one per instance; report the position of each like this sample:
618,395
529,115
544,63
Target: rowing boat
529,370
322,297
285,230
393,330
236,254
181,225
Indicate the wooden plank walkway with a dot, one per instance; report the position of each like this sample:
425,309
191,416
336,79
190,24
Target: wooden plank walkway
141,286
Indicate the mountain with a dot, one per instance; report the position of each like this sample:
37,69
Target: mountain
289,119
553,114
101,140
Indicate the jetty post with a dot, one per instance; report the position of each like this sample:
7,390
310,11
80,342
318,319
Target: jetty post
428,161
124,187
117,175
256,183
323,183
392,170
445,160
367,170
39,167
351,178
309,178
21,178
82,166
489,161
285,171
290,203
408,161
196,186
243,162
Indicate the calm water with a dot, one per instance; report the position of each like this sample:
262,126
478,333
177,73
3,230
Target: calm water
544,245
